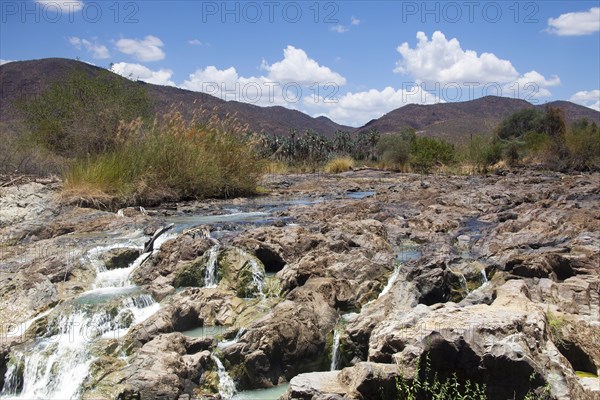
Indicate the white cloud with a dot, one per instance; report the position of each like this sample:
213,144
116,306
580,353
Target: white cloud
586,98
98,51
532,85
339,28
297,67
143,73
63,6
2,62
355,109
147,49
443,61
354,21
195,42
576,23
285,82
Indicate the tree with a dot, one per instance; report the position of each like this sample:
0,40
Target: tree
425,152
395,148
519,123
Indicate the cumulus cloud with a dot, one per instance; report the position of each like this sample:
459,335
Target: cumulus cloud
284,83
195,42
444,61
63,6
147,49
532,85
355,109
143,73
98,51
575,23
297,67
587,98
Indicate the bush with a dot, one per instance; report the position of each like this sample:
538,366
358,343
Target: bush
339,164
583,144
177,160
394,149
483,152
80,115
425,152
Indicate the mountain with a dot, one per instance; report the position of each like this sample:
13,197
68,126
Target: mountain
31,77
457,121
451,121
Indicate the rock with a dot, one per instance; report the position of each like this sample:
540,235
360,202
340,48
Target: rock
162,368
289,340
367,380
315,385
120,257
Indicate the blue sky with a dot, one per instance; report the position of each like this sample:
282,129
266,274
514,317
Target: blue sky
349,60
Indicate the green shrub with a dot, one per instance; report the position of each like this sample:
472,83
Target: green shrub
483,152
583,144
425,152
394,149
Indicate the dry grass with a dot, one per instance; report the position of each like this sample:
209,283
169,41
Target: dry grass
339,165
173,160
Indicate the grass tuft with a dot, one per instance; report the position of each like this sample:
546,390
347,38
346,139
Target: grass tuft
339,165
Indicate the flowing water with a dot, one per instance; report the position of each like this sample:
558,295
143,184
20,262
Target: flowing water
393,278
258,276
335,351
273,393
226,384
211,278
55,365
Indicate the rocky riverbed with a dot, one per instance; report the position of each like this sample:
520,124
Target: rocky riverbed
335,285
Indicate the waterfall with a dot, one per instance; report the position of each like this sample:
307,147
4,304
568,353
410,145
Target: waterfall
236,339
335,351
55,365
226,384
210,278
484,276
258,276
393,278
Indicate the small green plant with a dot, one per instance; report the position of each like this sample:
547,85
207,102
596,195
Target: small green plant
426,385
556,324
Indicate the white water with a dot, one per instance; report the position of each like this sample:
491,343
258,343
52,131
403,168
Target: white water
335,356
226,343
55,366
226,384
484,276
393,278
210,278
258,276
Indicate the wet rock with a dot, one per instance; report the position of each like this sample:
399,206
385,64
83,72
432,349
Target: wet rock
289,340
120,257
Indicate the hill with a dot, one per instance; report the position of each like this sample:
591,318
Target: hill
457,121
31,77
